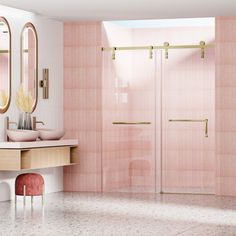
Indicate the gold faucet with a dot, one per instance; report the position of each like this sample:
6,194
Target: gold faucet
35,122
7,126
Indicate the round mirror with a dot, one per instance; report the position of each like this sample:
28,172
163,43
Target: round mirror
29,62
5,65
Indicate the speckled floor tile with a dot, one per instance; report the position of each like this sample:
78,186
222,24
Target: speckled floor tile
120,214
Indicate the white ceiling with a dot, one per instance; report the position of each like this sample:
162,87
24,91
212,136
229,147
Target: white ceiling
70,10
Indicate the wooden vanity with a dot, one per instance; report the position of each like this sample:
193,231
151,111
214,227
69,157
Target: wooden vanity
15,156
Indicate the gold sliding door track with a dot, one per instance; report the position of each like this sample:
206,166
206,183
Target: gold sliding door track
166,46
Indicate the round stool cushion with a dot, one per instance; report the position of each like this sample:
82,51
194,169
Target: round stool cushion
34,184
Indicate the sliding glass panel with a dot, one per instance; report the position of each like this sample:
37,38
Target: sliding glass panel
128,142
188,160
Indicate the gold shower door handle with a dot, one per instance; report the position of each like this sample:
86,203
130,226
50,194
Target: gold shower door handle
131,123
198,120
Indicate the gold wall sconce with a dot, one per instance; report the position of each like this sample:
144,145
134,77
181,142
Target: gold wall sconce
44,83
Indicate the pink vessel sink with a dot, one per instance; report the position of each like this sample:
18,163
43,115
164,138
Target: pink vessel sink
20,135
50,134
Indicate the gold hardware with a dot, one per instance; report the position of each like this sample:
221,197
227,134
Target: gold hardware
158,47
131,123
44,83
4,51
127,48
6,93
166,45
202,44
35,122
24,193
25,68
114,53
206,128
7,124
198,120
43,195
151,52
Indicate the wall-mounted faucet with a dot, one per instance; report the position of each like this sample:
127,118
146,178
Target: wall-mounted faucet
35,122
7,126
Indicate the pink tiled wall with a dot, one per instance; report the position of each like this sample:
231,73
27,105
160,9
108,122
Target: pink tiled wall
85,89
82,103
122,158
226,105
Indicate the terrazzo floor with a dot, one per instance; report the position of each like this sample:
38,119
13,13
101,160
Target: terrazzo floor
120,214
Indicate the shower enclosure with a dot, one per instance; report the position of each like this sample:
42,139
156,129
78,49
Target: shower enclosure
129,123
158,127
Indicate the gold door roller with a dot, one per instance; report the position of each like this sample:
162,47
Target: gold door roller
197,120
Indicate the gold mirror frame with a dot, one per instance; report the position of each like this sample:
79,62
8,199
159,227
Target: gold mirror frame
5,108
32,27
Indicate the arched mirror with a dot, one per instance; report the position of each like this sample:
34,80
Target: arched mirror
29,62
5,65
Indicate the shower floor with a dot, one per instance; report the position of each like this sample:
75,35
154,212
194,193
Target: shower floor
120,214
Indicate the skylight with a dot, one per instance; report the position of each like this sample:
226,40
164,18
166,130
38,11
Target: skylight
164,23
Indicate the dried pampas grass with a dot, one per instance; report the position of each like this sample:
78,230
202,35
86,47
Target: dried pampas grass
3,98
24,100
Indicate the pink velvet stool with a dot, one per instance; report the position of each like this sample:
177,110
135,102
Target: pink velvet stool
29,184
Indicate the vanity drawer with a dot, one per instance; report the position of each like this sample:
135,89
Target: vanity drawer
10,159
45,157
37,158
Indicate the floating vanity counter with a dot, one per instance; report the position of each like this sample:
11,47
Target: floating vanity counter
39,154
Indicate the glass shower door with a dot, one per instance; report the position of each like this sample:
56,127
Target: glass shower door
128,137
188,158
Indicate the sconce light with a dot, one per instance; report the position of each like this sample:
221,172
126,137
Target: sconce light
44,84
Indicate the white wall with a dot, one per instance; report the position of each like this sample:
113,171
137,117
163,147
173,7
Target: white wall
50,36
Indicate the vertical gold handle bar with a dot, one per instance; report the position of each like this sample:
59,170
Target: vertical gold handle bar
206,128
186,120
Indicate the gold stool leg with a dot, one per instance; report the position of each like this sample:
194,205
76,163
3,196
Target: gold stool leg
43,195
24,192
